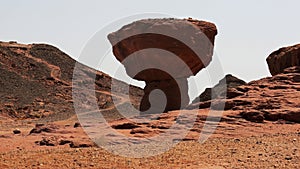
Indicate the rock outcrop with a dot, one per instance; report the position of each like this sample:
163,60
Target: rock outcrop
36,82
164,53
272,98
225,88
264,103
284,58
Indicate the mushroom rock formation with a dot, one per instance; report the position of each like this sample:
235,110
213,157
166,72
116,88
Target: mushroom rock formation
164,53
284,58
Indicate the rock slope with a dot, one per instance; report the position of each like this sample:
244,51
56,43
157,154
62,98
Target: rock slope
262,104
36,82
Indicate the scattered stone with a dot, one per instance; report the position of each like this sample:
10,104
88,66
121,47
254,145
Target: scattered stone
125,126
63,142
259,142
46,142
288,158
237,140
39,125
17,131
77,124
81,145
49,128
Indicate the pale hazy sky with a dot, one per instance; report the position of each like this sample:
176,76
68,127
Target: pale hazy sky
248,30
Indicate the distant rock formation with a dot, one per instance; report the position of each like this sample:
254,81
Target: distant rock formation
190,41
220,90
272,98
36,82
284,58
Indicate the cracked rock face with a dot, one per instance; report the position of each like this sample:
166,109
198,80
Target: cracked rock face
284,58
164,53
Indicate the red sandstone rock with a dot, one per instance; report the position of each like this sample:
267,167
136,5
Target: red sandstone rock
228,86
284,58
164,53
178,36
39,128
36,82
270,100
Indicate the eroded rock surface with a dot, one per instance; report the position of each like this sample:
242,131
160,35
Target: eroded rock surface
161,51
249,108
226,88
284,58
37,80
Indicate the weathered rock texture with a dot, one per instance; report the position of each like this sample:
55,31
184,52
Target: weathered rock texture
284,58
272,98
271,143
164,53
262,105
226,88
36,82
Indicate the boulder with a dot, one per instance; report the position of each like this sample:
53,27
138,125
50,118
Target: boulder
17,131
284,58
77,124
47,128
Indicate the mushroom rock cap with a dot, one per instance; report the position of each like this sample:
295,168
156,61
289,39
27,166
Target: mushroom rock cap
178,47
284,58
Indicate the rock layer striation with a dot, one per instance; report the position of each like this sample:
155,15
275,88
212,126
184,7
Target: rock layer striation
284,58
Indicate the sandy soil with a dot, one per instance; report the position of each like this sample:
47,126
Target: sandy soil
278,147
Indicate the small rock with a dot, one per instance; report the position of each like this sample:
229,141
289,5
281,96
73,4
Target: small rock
80,145
39,128
17,131
63,142
288,157
39,125
77,124
125,126
237,140
259,142
45,142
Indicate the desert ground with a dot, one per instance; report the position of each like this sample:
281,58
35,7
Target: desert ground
259,127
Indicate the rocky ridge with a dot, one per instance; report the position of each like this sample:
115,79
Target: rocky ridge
36,82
